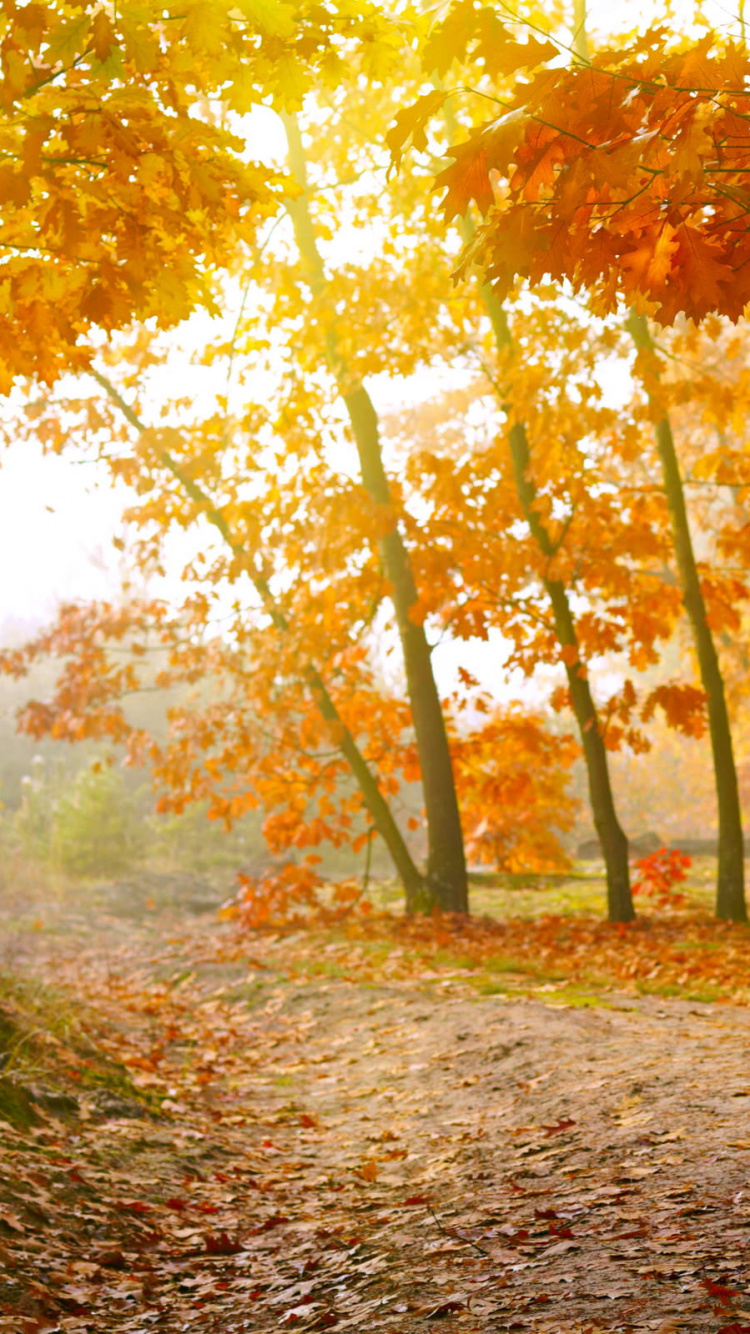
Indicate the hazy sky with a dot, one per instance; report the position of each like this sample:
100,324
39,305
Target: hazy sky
55,533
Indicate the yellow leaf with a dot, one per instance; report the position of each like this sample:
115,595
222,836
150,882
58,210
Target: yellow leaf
273,18
70,39
103,35
201,30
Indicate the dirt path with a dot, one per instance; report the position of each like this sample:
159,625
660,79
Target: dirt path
340,1155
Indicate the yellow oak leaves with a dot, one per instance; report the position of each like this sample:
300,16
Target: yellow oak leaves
123,190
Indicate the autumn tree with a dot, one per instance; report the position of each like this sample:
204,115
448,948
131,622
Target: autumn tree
446,864
133,200
480,37
614,843
628,195
730,888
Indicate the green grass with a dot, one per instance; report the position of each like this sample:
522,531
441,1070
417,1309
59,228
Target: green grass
250,994
46,1041
491,988
698,945
580,892
660,989
673,991
510,963
455,962
36,1006
328,968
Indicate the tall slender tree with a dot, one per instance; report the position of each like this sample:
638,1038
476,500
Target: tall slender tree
730,880
613,840
629,196
446,881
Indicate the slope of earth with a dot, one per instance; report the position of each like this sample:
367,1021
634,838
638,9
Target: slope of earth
312,1153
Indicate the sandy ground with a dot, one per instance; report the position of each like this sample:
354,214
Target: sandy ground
334,1154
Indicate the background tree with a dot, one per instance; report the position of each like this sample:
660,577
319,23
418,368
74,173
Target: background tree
559,211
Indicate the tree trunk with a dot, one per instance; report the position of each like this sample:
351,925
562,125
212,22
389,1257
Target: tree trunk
580,36
612,839
415,891
614,843
446,882
730,886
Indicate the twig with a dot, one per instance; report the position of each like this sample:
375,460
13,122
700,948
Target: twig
456,1236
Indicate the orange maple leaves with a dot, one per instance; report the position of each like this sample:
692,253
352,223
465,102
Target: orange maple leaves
627,176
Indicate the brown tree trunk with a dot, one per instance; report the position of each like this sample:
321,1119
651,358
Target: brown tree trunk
446,884
614,843
415,891
612,839
730,885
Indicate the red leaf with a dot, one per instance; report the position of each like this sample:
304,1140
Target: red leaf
559,1125
722,1294
269,1223
222,1244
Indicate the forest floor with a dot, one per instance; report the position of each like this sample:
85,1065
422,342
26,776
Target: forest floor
497,1128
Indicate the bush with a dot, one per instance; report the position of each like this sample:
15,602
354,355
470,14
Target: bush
88,826
98,827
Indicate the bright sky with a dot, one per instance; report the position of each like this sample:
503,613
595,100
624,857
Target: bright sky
58,517
611,16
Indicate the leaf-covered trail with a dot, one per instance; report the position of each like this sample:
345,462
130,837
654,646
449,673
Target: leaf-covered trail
339,1155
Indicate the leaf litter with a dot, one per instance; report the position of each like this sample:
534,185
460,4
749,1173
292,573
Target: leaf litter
372,1144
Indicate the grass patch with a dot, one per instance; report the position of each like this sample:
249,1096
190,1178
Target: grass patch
525,896
677,991
697,944
16,1105
250,994
328,968
659,989
510,963
45,1042
573,998
453,962
489,987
